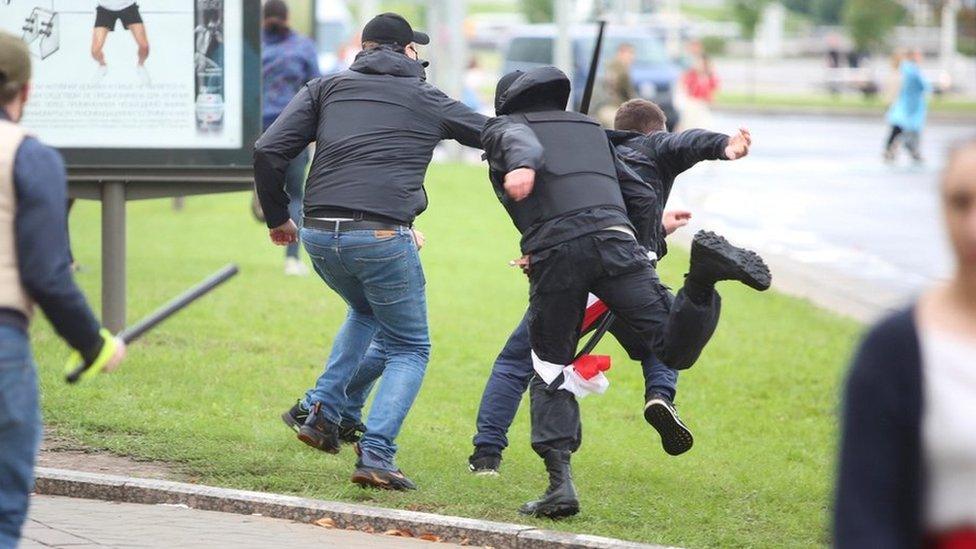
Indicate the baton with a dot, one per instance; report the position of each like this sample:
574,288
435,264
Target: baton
137,330
594,63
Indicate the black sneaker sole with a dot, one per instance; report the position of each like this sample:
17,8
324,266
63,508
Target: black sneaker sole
369,479
555,512
675,437
290,421
748,267
315,440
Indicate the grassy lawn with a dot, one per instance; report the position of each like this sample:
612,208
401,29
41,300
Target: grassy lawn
204,391
841,102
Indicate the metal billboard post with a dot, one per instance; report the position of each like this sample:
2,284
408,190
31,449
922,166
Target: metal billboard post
113,255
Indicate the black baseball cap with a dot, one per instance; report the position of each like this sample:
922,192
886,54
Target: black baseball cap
392,28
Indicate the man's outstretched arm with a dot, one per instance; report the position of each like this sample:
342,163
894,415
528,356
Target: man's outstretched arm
677,152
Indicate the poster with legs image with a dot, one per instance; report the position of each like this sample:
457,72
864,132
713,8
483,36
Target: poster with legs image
126,74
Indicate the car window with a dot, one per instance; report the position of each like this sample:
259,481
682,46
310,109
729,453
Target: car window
531,50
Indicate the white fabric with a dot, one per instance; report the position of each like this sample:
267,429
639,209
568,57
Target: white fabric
949,430
115,5
573,382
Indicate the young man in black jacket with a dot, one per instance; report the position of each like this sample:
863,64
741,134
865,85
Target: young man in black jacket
573,202
375,127
35,269
657,157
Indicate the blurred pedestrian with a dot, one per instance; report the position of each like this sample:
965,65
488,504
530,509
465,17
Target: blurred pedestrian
908,450
907,115
616,86
288,62
35,269
699,84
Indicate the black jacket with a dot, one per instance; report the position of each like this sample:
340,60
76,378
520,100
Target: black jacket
880,479
375,127
658,159
510,145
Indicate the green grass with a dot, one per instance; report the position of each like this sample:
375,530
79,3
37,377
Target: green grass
841,102
204,390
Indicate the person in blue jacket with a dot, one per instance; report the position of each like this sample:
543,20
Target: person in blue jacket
907,114
288,62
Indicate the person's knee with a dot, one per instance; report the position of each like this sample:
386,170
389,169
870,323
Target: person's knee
143,51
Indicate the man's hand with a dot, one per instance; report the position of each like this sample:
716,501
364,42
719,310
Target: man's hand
738,145
117,357
675,219
284,234
418,238
519,182
521,263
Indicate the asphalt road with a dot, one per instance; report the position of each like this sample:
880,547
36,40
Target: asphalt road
836,223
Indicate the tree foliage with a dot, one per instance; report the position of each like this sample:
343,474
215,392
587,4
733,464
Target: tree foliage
747,14
870,21
538,11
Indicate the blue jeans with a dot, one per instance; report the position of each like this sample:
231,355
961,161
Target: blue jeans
381,280
295,187
20,431
510,377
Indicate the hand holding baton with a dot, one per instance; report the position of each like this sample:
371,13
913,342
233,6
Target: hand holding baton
77,369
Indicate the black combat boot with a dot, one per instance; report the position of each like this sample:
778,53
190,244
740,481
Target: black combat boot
560,499
713,259
319,432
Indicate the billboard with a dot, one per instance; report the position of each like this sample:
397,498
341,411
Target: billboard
147,82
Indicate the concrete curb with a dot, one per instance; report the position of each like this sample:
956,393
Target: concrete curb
499,535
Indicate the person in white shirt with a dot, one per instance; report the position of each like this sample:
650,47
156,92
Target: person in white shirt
107,14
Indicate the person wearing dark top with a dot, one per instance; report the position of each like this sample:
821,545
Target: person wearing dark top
642,142
573,200
288,62
35,269
907,466
375,127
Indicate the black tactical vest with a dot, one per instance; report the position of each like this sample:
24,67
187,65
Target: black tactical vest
579,170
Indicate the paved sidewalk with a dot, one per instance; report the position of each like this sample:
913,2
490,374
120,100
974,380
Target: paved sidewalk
79,523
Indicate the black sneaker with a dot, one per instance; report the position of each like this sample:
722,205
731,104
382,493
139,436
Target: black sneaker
319,432
484,462
713,259
296,416
371,477
661,414
350,432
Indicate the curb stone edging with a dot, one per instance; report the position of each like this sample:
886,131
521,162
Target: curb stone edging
499,535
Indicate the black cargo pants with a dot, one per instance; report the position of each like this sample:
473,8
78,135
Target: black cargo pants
612,266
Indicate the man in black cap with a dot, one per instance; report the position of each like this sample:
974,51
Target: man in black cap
375,127
584,216
35,269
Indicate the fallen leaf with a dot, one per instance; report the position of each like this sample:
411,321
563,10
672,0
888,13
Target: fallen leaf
429,537
399,532
326,522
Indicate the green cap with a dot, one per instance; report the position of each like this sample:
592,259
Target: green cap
15,64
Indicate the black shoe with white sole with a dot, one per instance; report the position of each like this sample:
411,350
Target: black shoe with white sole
714,259
295,417
661,414
484,461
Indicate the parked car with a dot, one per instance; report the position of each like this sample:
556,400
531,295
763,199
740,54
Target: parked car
655,76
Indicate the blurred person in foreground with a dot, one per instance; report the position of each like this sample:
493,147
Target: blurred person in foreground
35,269
288,62
699,84
908,451
908,113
